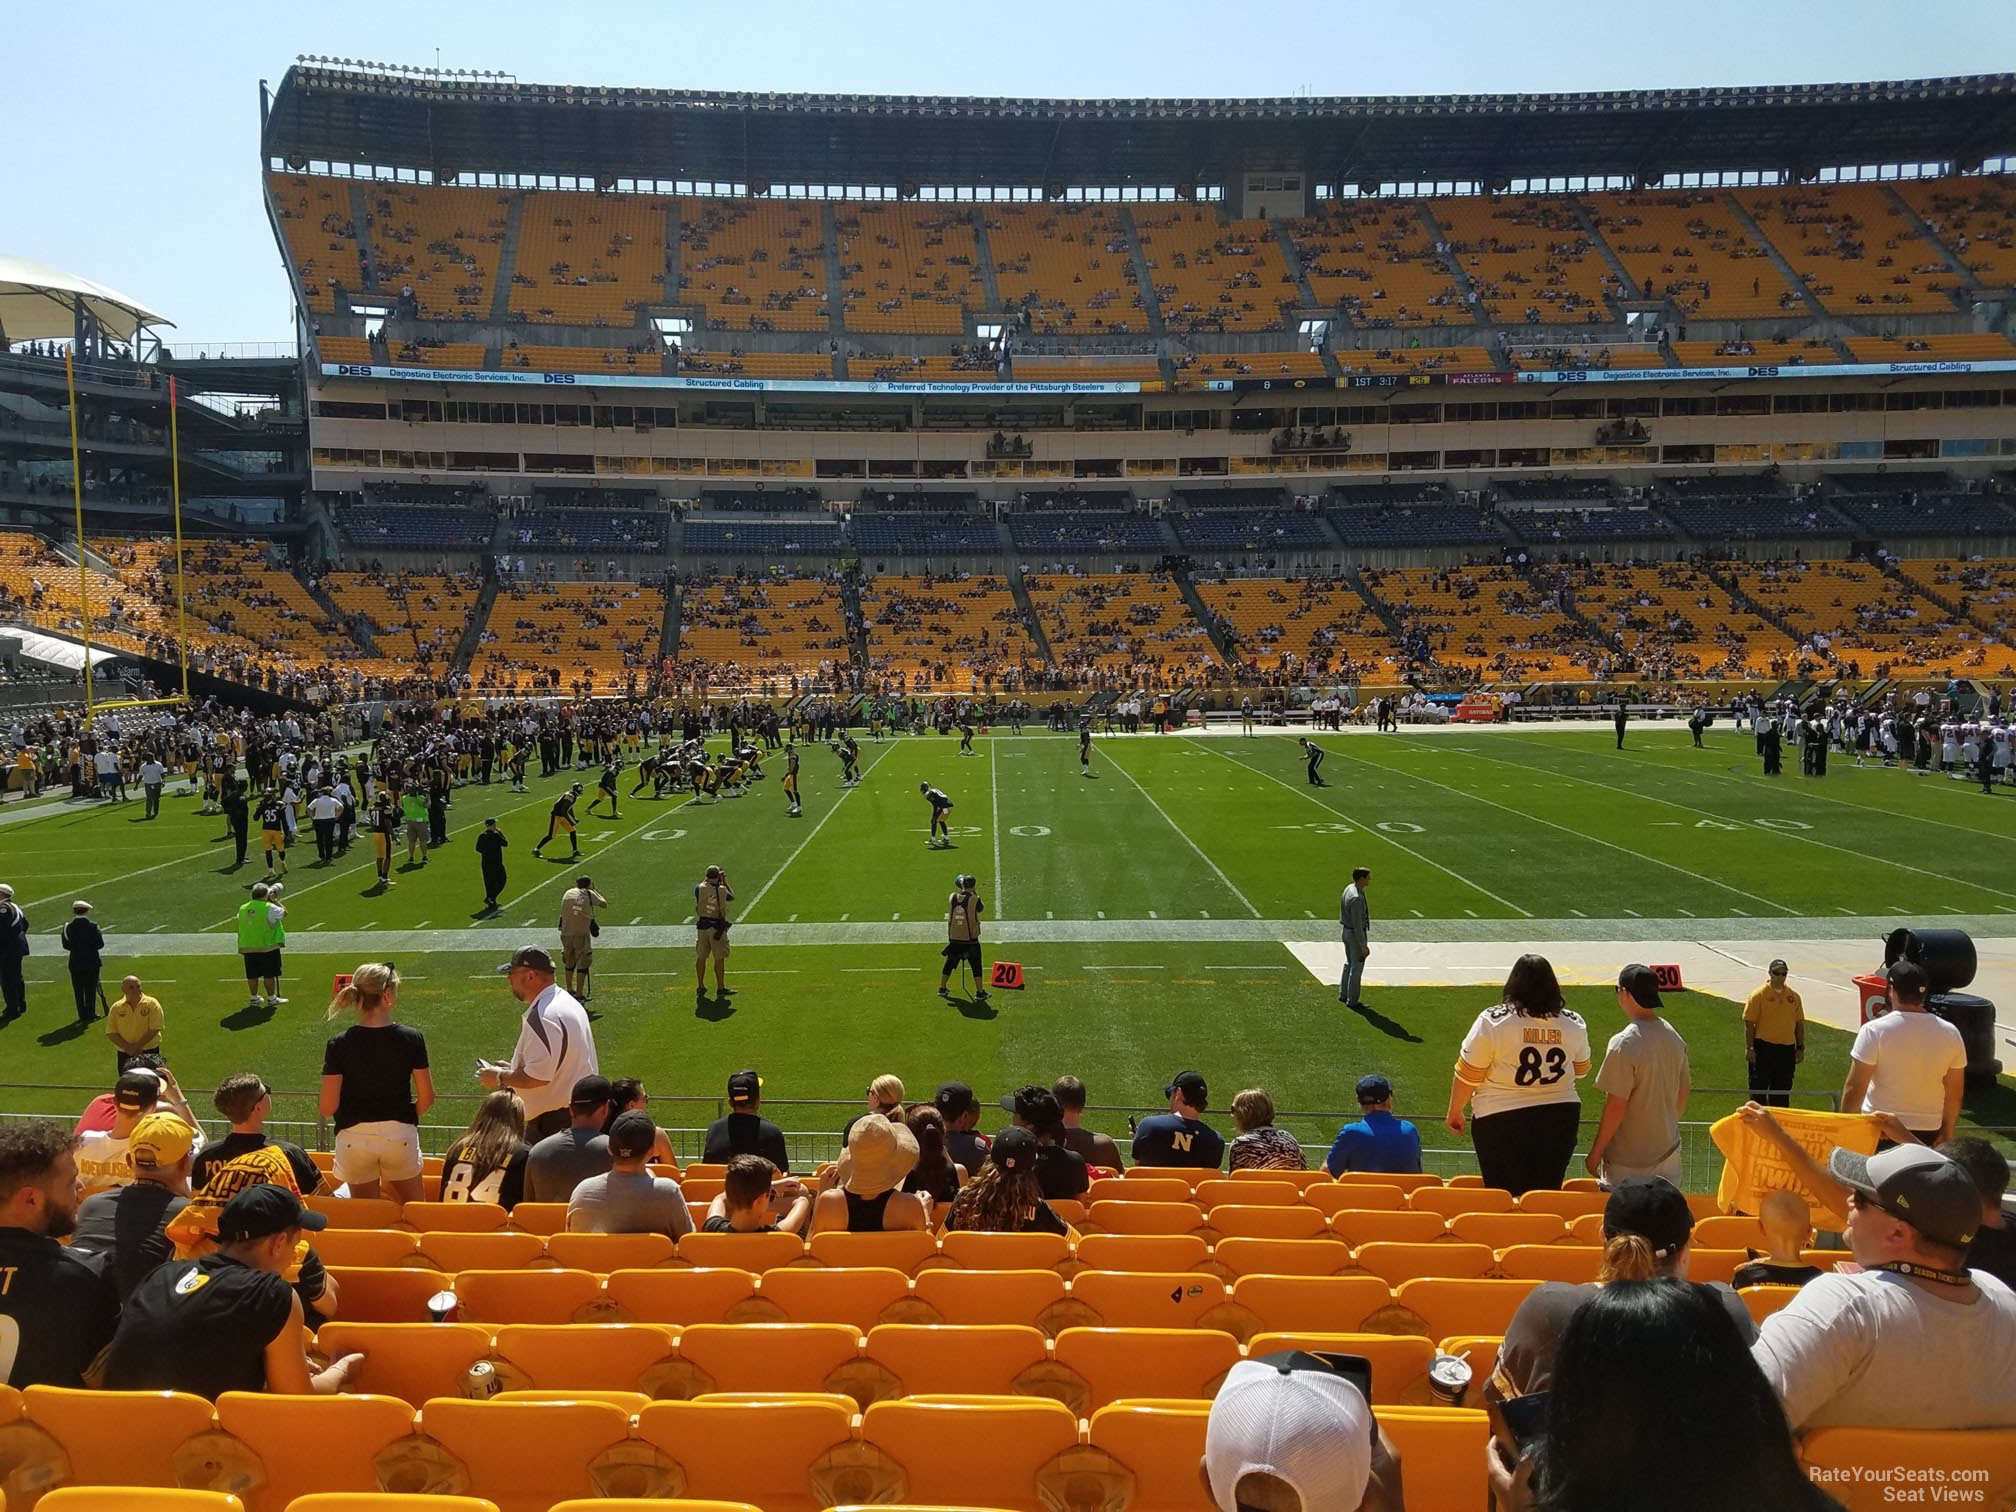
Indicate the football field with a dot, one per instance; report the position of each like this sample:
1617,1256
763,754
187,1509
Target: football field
1177,908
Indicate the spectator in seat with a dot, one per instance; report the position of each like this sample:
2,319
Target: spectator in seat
961,1111
1005,1197
743,1131
246,1101
1994,1246
627,1198
1647,1227
101,1153
1098,1149
1060,1171
1718,1435
59,1308
885,1100
1788,1227
1259,1145
487,1161
561,1162
1908,1063
863,1193
127,1225
229,1321
935,1175
748,1200
1287,1433
627,1092
1913,1339
1377,1141
1179,1137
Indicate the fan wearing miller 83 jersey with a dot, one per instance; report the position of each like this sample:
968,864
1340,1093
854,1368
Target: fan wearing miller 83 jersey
1518,1071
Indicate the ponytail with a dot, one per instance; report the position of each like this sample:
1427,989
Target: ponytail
1627,1257
366,988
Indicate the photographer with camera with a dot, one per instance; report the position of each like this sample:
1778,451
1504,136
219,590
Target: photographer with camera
962,935
711,897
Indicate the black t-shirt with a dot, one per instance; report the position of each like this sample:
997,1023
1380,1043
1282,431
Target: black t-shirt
968,1148
125,1226
60,1306
200,1326
307,1175
1759,1272
1060,1172
377,1066
463,1181
1994,1251
745,1134
1043,1221
940,1186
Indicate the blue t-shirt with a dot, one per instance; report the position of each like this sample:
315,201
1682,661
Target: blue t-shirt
1166,1140
1377,1142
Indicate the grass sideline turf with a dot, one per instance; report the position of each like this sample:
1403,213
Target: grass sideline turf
1469,833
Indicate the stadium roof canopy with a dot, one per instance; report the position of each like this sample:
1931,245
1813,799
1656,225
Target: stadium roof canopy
38,303
458,123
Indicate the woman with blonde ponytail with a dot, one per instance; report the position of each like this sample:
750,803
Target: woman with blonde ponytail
375,1084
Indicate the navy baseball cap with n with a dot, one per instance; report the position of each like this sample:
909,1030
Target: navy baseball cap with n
1917,1184
260,1212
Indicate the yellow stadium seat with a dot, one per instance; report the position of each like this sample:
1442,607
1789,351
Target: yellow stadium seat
1588,1229
525,1456
974,1297
1301,1180
1766,1300
1147,1299
455,1217
118,1438
680,1296
455,1251
1355,1196
1395,1263
749,1252
1467,1179
976,1360
906,1251
107,1499
1297,1222
702,1168
386,1296
1399,1361
1566,1206
766,1452
526,1296
1945,1457
1406,1181
1190,1176
766,1356
859,1296
631,1402
356,1212
1145,1218
588,1356
651,1504
366,1247
1132,1188
1118,1363
389,1501
1583,1184
1575,1263
1728,1231
1142,1252
1451,1200
934,1443
1252,1193
312,1443
1028,1251
1283,1257
1503,1230
1161,1442
1356,1228
603,1253
1070,1210
541,1218
1462,1306
1328,1304
1481,1349
410,1361
1441,1453
909,1506
1714,1264
1704,1205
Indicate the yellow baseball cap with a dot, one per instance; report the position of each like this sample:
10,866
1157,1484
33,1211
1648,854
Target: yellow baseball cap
160,1140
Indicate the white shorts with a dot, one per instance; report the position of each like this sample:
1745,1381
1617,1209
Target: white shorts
378,1152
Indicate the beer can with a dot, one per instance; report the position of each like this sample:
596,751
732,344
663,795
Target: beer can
444,1307
481,1381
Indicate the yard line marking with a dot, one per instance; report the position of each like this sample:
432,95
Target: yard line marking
1310,912
1414,911
1153,915
862,970
157,929
1634,913
1216,870
792,920
1102,913
1843,908
1472,912
421,925
810,835
1578,913
537,886
843,918
1688,912
687,920
1129,968
1203,913
1635,854
1389,839
638,920
894,917
1048,914
1243,968
994,792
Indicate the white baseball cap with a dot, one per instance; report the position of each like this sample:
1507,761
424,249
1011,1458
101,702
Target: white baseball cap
1286,1416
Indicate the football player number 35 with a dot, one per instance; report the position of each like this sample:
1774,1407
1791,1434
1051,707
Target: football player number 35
1536,1069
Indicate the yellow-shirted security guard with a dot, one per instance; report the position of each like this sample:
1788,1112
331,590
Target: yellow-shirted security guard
1774,1038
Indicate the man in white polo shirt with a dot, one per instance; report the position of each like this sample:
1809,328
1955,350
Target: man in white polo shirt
555,1049
1908,1063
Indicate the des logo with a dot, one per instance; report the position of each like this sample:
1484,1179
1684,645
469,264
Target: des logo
1761,372
353,370
556,377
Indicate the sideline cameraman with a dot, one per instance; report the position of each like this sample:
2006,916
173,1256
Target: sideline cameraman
711,897
962,936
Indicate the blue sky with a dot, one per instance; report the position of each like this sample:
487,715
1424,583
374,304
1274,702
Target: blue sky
131,131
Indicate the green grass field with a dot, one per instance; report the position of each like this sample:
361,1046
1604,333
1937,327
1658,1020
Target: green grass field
1154,908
